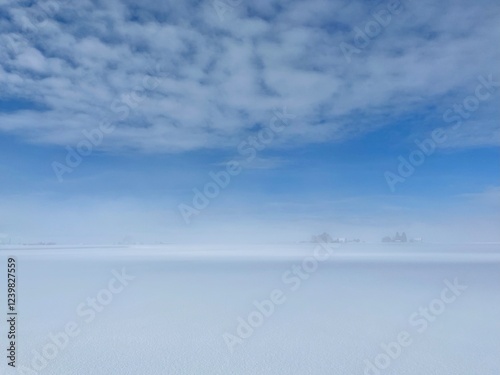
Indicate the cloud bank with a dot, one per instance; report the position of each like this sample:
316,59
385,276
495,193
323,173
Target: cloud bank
67,67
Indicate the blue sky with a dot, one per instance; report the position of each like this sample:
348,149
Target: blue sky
184,84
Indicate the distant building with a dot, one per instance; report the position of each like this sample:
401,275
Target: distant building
326,238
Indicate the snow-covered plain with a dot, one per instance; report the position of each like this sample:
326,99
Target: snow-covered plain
171,318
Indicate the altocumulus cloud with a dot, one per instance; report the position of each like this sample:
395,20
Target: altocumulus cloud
222,78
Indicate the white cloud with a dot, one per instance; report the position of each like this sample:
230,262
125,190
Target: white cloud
221,78
490,196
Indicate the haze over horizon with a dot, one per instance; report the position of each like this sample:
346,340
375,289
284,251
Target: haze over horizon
260,121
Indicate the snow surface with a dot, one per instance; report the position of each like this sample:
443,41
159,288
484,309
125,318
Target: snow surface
171,318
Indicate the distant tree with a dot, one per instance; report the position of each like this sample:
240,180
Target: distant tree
403,237
322,238
387,239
